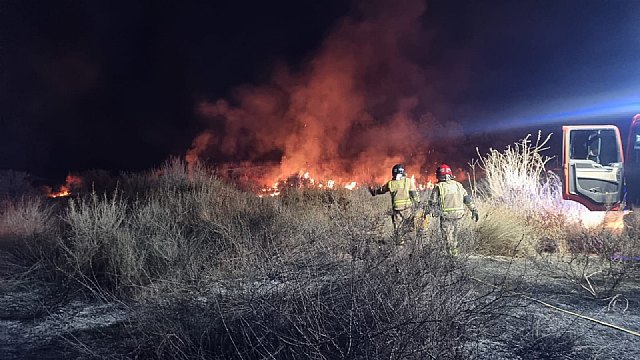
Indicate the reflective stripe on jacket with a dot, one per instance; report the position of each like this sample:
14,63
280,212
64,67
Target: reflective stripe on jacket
400,196
449,196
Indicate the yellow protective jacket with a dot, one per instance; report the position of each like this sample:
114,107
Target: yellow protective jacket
448,199
403,193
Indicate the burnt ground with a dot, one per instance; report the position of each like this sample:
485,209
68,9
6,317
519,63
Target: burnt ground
41,320
532,330
38,320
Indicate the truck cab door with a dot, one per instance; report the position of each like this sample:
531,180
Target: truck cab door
593,166
632,164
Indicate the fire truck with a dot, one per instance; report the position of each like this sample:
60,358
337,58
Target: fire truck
600,171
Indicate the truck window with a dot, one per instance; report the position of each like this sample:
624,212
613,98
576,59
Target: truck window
598,146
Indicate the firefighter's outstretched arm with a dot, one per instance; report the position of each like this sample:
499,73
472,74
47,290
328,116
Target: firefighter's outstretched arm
379,190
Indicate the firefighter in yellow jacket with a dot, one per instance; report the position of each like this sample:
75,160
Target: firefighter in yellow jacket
404,196
447,201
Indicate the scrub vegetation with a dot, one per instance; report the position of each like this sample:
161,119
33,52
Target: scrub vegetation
203,269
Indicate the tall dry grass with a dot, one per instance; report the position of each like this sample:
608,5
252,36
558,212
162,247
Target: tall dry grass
517,175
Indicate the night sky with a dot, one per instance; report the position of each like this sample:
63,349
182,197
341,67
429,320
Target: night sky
120,85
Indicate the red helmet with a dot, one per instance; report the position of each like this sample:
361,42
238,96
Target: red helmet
444,173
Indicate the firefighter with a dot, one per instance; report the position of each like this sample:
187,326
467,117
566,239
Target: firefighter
404,197
447,201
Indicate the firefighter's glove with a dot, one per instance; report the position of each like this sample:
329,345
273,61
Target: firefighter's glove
474,215
372,191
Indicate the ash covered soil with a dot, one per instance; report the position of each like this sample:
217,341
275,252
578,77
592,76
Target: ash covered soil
532,330
38,320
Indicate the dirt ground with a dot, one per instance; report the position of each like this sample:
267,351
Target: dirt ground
37,320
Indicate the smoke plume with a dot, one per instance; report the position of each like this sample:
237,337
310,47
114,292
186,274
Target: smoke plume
363,103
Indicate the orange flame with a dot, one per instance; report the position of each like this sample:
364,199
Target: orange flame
304,179
71,182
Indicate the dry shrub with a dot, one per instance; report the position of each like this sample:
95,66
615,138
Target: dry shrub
25,216
95,180
540,339
503,232
188,227
632,226
550,229
98,248
337,222
27,228
590,241
113,245
416,307
166,226
364,224
174,173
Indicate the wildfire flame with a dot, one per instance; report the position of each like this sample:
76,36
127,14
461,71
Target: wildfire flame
303,179
71,182
62,192
351,185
